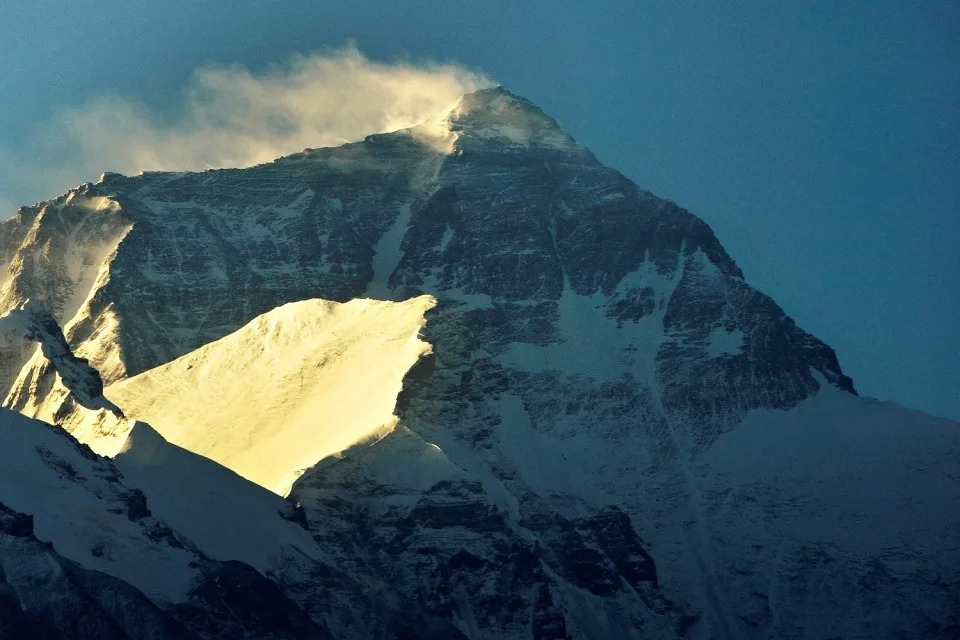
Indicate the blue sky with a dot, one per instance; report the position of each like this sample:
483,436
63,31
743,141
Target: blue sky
819,139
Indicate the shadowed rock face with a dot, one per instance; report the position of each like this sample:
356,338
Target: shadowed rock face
592,344
436,537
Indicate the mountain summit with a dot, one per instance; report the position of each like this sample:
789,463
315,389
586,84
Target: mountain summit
497,118
611,433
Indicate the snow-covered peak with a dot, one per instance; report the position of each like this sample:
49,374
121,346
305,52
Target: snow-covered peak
498,104
110,177
32,322
588,430
496,117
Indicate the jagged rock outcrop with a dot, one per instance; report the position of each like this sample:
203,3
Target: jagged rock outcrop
31,323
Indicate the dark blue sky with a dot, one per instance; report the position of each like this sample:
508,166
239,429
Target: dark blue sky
819,139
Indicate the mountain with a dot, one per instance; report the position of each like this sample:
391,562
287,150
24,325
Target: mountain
610,434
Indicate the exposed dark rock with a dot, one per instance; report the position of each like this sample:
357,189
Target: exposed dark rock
613,533
14,523
233,600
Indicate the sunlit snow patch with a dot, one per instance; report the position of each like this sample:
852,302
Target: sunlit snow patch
296,384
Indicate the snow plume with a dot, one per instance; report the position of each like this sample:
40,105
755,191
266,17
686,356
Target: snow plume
229,116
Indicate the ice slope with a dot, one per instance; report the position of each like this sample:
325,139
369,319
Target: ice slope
218,512
78,504
111,516
296,384
83,555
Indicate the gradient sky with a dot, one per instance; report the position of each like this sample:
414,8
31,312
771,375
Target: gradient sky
819,139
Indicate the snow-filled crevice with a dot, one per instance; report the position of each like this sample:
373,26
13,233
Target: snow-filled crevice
387,254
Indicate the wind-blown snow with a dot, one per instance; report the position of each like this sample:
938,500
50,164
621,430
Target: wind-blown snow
496,115
296,384
60,258
85,261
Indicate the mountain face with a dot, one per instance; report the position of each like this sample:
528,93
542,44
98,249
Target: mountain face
612,435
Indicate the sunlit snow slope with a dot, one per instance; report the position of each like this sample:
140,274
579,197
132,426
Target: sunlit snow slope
296,384
57,253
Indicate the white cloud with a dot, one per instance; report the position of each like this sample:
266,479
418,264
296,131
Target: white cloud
231,117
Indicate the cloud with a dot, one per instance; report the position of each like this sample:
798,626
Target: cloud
231,117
